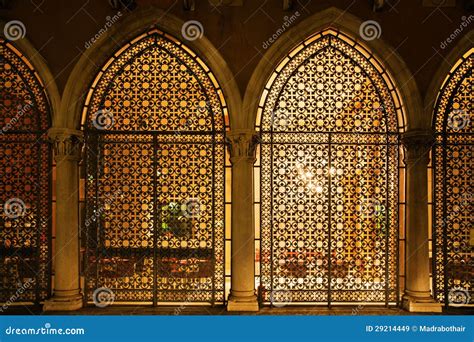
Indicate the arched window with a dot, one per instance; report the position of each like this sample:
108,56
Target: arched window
329,120
453,194
155,121
25,237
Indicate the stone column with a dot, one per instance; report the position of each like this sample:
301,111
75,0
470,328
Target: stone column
417,297
67,146
242,146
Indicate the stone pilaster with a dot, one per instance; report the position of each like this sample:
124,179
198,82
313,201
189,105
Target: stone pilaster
417,297
67,147
242,145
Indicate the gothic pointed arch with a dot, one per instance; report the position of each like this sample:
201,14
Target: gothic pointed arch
375,49
329,164
155,121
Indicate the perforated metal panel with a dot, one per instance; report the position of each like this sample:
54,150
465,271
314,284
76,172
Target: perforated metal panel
25,234
453,163
154,223
329,177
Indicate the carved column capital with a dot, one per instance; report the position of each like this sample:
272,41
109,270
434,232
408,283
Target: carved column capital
242,145
67,143
417,145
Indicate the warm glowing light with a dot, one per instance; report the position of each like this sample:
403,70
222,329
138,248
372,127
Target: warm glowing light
328,141
163,228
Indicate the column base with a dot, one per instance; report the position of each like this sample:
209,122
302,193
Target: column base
426,304
243,304
69,303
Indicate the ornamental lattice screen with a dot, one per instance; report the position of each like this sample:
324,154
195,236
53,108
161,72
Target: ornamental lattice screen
155,123
25,159
453,162
329,172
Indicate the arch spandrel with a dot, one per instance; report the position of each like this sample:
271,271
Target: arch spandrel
333,21
129,29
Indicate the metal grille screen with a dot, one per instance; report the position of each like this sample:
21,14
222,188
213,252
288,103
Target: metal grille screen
329,177
154,226
25,233
453,163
